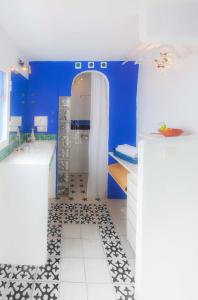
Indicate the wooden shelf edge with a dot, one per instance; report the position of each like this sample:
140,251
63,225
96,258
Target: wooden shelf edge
119,174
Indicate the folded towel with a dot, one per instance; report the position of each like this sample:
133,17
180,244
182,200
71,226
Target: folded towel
125,157
128,150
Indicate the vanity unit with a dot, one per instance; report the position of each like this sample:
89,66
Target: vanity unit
125,174
27,181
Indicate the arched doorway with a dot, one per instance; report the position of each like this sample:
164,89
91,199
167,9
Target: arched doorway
89,113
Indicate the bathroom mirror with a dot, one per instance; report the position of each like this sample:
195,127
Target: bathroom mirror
18,102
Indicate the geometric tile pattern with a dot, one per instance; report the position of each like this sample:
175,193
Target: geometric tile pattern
86,214
50,271
114,249
43,282
24,273
54,247
124,292
120,271
3,285
19,290
54,230
43,290
5,271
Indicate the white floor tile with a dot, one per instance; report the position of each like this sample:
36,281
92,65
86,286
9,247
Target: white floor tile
93,249
73,291
96,271
120,226
71,231
90,232
72,270
100,291
72,248
118,213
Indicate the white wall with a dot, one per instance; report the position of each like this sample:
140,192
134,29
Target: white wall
169,22
80,102
9,53
170,96
80,110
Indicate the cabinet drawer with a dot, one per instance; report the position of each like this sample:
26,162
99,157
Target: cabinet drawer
132,188
132,203
131,217
131,236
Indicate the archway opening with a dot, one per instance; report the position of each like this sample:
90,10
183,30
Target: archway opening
89,113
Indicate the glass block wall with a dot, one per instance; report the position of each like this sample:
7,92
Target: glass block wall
64,145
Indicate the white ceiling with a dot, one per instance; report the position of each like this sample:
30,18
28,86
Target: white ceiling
71,29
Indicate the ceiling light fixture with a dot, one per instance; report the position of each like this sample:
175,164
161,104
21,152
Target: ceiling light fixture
164,61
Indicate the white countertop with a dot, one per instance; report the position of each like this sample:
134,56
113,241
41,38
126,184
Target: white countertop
37,153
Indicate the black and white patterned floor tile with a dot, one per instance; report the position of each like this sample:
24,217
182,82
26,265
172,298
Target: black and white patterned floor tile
54,247
114,249
50,271
96,211
43,282
71,213
45,290
108,232
86,214
5,271
124,292
3,285
24,273
19,290
54,230
120,270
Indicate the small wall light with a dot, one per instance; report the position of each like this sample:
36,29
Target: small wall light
24,66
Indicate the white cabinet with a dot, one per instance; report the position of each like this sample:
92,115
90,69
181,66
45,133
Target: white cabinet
167,219
132,208
25,178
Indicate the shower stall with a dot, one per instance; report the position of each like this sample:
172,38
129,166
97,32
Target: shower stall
83,138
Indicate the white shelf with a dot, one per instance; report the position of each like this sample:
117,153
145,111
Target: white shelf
132,168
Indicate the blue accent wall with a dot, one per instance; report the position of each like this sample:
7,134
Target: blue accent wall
49,80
